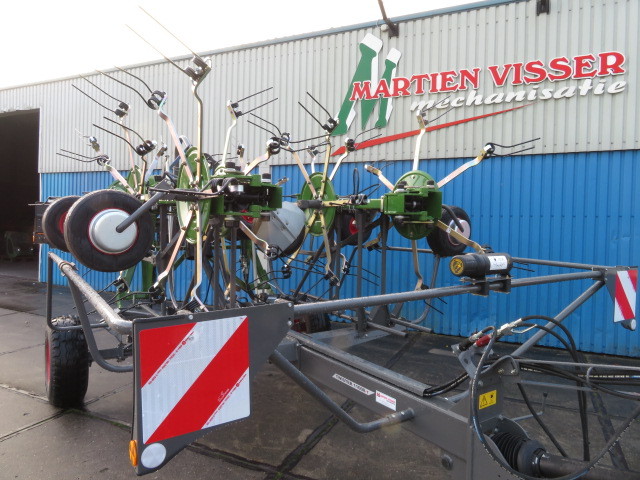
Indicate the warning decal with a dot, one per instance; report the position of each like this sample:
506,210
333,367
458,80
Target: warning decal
487,399
386,400
625,295
193,376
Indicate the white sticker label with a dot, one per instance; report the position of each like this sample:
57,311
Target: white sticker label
353,385
498,263
386,400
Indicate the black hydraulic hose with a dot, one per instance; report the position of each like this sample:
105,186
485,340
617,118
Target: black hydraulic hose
481,436
582,396
543,425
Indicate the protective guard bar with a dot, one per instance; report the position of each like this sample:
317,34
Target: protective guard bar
306,384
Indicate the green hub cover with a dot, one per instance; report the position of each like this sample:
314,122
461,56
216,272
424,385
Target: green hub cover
329,194
418,202
183,208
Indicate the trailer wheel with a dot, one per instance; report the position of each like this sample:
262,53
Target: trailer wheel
67,362
441,242
90,231
53,221
348,227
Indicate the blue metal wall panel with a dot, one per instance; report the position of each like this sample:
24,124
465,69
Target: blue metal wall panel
573,207
578,207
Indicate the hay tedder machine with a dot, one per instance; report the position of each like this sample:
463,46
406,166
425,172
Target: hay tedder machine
194,341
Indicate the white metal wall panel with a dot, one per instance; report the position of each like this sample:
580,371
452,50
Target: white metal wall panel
324,65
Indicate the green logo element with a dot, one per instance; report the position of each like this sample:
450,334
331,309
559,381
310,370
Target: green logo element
367,71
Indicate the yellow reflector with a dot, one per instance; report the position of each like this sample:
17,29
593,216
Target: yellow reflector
133,453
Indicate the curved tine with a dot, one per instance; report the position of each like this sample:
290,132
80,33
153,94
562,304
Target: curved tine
312,138
106,93
170,32
311,114
78,154
326,111
425,108
441,115
510,154
162,54
122,83
262,128
267,121
126,128
371,138
136,77
515,144
260,106
114,134
254,94
91,98
365,131
76,159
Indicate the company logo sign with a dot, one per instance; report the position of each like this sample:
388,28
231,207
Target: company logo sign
595,71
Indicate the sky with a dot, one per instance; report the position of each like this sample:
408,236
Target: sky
46,40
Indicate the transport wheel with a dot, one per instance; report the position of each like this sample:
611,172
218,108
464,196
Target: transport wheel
53,221
67,361
90,231
441,242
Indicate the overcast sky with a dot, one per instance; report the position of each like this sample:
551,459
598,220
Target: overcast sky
44,40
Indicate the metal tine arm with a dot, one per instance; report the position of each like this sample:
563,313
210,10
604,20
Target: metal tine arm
126,128
268,122
78,159
92,99
122,104
123,83
114,134
136,77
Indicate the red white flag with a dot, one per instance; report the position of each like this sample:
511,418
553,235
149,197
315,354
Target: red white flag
193,376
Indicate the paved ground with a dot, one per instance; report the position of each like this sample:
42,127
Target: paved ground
287,436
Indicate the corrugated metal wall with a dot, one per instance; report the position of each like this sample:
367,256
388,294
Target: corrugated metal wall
576,207
324,64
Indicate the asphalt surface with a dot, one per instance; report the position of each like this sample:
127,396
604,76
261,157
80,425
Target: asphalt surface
287,436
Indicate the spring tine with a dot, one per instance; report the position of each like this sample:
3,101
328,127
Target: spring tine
254,94
91,98
106,93
122,83
136,77
170,33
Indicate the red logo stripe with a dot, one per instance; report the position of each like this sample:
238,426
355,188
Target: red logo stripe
392,138
156,345
623,301
210,389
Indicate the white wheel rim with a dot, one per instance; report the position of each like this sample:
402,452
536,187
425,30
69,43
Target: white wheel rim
103,234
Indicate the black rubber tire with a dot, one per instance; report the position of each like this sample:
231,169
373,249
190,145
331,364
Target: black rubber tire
67,363
76,231
441,242
53,221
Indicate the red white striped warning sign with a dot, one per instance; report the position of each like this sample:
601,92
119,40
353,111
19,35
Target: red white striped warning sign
193,376
625,295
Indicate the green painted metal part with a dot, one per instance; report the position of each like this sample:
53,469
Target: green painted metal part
329,194
418,202
183,207
265,197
